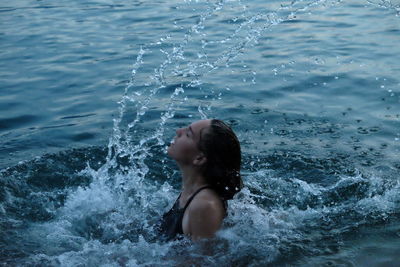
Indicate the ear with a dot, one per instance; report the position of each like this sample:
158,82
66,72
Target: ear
200,160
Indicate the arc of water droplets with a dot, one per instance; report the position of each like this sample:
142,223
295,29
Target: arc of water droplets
120,143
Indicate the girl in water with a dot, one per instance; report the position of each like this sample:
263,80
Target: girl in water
208,155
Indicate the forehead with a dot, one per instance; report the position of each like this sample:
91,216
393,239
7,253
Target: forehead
199,125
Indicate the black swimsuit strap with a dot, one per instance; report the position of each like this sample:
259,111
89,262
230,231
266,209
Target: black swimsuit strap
193,195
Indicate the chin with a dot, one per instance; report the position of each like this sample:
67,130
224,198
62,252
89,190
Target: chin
169,151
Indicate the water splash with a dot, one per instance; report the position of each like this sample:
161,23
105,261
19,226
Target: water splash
106,218
283,218
176,63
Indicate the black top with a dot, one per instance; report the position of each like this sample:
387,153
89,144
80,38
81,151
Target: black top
170,226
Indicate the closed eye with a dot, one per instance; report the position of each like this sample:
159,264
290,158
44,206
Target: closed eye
191,130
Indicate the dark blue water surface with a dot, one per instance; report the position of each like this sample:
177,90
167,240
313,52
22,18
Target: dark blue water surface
91,92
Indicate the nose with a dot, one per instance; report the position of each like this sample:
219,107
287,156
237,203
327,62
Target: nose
179,131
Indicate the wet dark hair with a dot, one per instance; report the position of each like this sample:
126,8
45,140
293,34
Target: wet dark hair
222,150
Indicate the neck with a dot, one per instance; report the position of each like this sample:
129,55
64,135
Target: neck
192,179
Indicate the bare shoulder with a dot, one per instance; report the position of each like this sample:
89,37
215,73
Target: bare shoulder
204,215
207,200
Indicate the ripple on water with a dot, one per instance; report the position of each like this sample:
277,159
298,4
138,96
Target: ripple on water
17,122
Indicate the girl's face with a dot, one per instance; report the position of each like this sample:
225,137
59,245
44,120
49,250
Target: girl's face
183,148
